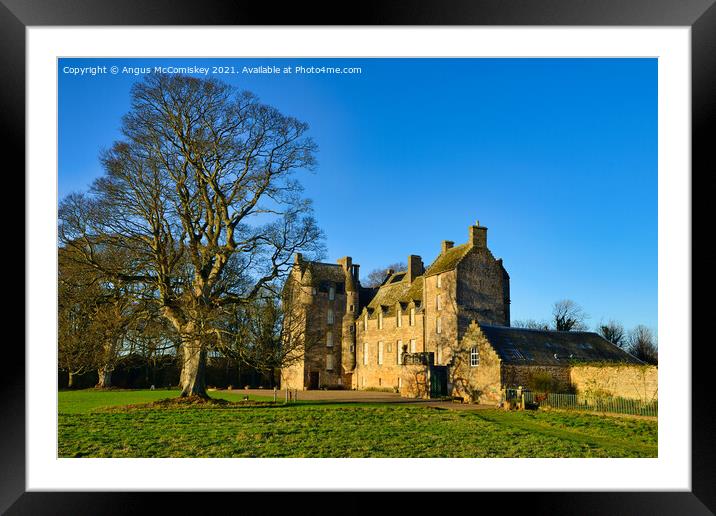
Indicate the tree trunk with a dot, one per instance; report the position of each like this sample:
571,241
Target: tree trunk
193,372
105,378
70,380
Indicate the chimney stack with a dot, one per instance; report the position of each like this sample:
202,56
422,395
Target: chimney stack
447,244
478,235
298,258
415,267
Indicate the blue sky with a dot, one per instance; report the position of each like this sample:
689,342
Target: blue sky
557,157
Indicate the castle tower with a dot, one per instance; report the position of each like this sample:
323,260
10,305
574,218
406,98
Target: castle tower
348,361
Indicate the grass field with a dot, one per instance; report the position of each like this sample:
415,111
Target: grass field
88,428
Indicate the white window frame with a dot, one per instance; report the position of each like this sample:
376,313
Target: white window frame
399,318
439,281
400,353
329,339
365,323
474,357
438,302
380,352
412,317
438,325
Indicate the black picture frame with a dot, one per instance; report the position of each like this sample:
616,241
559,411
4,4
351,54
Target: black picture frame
699,15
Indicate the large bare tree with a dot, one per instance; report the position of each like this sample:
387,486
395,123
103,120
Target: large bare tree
200,192
568,316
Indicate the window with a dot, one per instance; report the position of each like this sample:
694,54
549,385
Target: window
399,318
413,347
329,362
400,382
353,348
438,325
380,320
438,303
350,309
365,323
380,353
440,282
400,352
329,339
331,292
330,316
365,353
412,317
474,357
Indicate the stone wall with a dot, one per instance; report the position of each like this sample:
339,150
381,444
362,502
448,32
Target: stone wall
622,380
475,383
441,344
534,377
415,381
387,374
482,290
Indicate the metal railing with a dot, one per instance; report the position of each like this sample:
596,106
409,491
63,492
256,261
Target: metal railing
422,358
614,405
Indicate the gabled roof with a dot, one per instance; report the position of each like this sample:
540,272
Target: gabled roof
448,260
320,271
398,291
543,347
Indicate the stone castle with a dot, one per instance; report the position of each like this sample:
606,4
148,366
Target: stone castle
440,331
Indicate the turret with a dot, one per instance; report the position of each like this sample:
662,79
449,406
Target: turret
350,273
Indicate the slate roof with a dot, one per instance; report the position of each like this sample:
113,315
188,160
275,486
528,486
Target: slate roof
448,260
539,347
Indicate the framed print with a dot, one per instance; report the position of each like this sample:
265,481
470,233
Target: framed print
203,182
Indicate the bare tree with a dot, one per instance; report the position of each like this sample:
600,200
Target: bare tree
531,324
568,316
614,332
199,192
642,344
376,277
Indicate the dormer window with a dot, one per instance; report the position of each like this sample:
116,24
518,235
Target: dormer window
439,281
412,317
365,323
380,319
399,317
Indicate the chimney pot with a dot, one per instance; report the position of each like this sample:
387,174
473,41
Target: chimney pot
447,244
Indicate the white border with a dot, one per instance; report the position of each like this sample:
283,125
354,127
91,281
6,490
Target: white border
671,471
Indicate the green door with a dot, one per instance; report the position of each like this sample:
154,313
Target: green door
438,381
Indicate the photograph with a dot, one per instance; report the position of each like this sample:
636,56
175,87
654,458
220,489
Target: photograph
343,257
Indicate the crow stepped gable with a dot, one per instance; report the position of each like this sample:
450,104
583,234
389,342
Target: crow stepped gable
440,331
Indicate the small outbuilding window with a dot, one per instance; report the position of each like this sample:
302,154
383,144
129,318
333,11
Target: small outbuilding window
474,357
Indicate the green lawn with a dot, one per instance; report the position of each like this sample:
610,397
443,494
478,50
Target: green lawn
312,429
